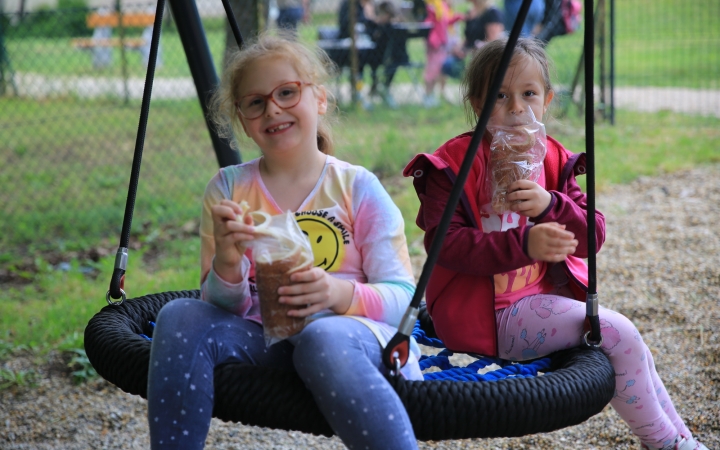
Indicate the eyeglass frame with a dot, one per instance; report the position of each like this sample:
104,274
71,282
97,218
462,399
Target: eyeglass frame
299,84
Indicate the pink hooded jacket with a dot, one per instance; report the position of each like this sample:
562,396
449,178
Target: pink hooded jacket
460,293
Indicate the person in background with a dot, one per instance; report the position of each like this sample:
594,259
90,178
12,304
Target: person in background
533,20
390,51
364,16
292,12
441,17
484,23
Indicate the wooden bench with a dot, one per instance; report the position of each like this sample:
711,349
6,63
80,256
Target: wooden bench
129,20
102,41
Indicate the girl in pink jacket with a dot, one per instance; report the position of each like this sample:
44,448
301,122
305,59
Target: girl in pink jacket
509,280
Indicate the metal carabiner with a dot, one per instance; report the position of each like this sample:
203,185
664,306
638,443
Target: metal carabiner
118,303
589,344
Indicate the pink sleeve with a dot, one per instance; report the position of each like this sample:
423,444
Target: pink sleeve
570,209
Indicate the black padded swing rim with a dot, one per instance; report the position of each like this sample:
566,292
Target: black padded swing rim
582,382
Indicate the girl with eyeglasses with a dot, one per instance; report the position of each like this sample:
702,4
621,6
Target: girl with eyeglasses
354,296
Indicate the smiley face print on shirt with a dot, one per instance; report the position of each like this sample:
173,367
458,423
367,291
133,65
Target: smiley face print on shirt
327,239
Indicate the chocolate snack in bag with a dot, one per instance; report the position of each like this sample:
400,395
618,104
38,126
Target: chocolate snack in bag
516,153
279,250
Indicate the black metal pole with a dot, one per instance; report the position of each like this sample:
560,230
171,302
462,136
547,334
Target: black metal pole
612,62
192,35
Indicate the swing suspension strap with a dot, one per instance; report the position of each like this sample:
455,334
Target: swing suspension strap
397,351
117,281
592,337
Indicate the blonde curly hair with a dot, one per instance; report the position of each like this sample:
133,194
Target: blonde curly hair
311,63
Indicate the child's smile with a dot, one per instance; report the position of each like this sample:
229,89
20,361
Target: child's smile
275,129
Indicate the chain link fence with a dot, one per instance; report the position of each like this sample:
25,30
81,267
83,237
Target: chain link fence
72,77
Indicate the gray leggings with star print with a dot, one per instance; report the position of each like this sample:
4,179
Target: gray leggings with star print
338,358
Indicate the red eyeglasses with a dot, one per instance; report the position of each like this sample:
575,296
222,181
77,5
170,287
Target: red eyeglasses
285,96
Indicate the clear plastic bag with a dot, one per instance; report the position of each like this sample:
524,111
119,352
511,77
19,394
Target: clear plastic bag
516,153
279,250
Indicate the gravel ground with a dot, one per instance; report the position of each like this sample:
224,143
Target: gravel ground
660,266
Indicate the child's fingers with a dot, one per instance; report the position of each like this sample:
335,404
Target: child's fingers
520,185
307,311
306,276
223,212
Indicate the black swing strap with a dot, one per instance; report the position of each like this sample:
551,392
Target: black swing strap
592,337
396,352
118,277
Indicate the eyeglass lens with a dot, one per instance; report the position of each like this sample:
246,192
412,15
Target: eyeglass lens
285,96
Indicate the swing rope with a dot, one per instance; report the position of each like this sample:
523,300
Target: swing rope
117,281
121,257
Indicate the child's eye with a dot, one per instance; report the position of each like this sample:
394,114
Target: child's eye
501,96
286,92
530,93
255,101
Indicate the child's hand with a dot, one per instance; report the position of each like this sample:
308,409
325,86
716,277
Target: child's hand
528,198
231,237
550,242
318,290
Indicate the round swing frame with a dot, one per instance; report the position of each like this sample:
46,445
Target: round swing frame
578,385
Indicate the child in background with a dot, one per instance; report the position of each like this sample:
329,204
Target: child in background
355,295
441,17
388,52
483,24
513,284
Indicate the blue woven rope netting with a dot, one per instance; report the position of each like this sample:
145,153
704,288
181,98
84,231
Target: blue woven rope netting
480,370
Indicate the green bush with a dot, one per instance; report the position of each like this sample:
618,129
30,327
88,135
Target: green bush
68,20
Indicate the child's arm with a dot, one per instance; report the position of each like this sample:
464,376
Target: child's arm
379,235
570,209
223,267
467,249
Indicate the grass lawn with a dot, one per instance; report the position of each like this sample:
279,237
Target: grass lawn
69,159
58,304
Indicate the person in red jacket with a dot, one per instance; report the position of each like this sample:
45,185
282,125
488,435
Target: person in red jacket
510,280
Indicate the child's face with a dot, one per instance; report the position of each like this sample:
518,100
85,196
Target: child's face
523,89
277,129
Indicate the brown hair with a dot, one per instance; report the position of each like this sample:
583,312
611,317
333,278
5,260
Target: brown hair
482,67
311,63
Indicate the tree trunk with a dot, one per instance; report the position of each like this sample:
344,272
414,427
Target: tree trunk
251,16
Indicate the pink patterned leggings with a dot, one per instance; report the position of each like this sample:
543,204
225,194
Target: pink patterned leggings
538,325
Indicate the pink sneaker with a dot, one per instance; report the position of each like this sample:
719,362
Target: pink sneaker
689,444
683,444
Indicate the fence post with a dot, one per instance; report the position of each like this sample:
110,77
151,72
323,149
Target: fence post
123,54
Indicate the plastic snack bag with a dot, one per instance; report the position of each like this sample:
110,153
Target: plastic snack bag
516,153
279,250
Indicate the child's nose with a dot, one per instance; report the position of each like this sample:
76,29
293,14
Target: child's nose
515,106
272,108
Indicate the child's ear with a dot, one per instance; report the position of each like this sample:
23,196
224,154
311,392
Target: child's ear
548,98
321,95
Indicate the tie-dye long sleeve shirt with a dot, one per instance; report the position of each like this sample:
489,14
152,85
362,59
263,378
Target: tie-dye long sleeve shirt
355,230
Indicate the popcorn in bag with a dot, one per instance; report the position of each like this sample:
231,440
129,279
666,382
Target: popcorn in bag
516,153
279,250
